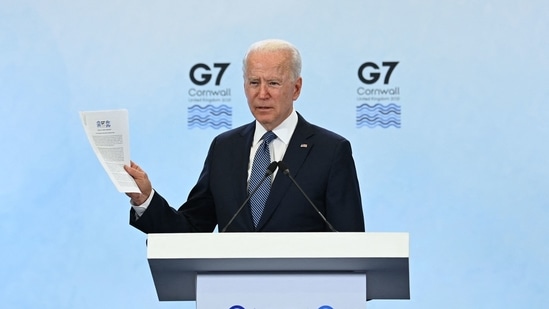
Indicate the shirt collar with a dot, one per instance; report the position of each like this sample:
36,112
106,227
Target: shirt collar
283,132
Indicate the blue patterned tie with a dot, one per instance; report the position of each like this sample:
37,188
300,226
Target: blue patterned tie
262,160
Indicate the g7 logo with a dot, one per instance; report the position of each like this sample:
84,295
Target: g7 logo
206,77
374,76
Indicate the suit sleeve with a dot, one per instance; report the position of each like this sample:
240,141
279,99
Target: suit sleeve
160,218
343,199
197,214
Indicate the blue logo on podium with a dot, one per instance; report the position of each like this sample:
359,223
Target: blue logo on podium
321,307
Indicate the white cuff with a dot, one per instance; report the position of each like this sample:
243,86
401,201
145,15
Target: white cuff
140,209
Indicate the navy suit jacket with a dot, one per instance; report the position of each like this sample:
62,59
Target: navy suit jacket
319,160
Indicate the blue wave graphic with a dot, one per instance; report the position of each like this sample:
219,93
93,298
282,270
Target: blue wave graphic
209,116
378,115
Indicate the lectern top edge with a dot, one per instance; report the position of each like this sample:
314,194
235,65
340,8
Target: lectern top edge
277,245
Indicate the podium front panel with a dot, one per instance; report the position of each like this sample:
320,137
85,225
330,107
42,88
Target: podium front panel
277,290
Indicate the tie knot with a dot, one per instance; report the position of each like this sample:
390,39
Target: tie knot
268,137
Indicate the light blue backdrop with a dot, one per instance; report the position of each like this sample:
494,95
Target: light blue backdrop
466,174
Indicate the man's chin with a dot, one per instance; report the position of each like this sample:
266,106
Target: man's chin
264,117
268,124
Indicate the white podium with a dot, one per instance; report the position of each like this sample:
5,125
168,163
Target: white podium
377,262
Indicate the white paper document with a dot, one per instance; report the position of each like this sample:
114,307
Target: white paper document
109,136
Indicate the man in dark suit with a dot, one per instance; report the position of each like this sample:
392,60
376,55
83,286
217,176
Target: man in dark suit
320,161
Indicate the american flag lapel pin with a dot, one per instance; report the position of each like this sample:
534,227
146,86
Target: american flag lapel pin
303,145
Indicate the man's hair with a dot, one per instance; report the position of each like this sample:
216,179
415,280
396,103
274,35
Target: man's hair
277,45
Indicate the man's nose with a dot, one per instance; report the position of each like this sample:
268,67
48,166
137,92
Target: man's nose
263,91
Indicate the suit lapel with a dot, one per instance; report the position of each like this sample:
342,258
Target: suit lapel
242,145
298,149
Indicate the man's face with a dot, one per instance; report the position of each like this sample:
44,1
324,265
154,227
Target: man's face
269,87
